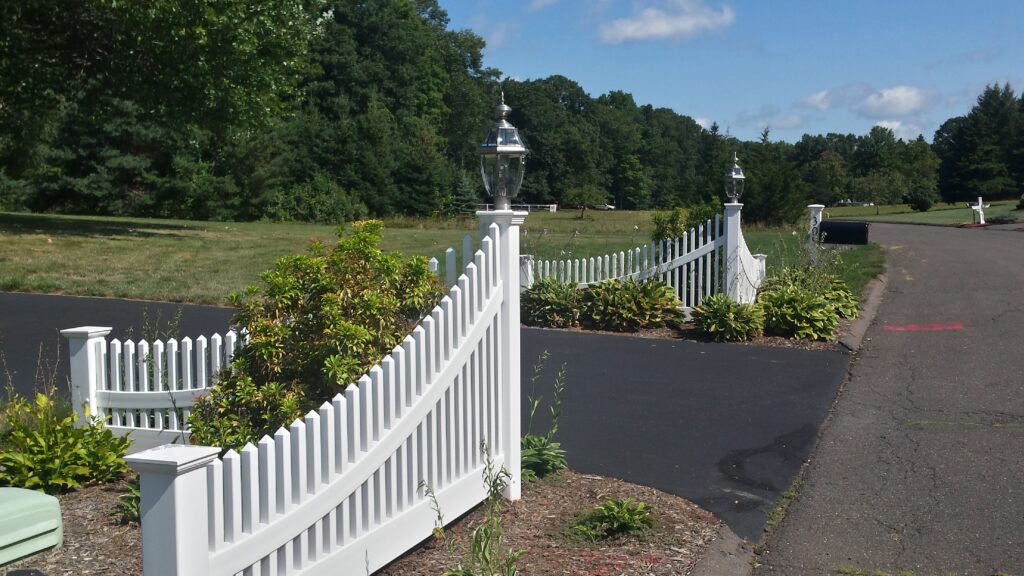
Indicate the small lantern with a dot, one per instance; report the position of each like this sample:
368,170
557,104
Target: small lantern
734,180
502,157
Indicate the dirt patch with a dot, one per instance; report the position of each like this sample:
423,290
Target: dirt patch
94,542
537,525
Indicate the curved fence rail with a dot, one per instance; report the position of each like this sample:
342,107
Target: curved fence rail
341,491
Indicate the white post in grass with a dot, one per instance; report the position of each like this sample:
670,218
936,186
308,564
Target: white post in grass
814,225
732,249
175,515
509,372
86,345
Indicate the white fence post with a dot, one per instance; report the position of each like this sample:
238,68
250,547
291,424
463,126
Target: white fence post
815,221
175,519
732,249
86,345
508,257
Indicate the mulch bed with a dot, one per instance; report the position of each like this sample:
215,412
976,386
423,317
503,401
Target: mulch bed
95,543
687,331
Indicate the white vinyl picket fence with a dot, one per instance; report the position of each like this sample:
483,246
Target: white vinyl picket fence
342,490
711,258
145,390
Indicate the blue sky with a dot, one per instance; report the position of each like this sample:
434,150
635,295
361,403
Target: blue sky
795,66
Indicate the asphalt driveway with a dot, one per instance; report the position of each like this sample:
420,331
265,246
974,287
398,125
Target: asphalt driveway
725,426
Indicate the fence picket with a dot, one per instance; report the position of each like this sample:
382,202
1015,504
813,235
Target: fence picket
232,497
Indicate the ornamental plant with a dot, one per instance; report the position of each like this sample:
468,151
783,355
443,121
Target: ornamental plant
540,455
796,312
725,320
551,304
629,305
615,517
42,448
319,322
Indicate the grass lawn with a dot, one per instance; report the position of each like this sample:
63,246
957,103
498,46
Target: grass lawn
940,214
200,262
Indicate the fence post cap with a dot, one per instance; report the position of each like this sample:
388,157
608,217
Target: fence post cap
87,331
815,205
171,459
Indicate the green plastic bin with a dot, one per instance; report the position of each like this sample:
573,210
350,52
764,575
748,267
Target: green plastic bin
30,522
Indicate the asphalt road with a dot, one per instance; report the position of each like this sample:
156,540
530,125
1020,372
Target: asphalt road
725,426
920,467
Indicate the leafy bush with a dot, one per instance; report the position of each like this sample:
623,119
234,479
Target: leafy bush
627,306
727,321
922,199
551,304
668,225
321,320
816,280
43,449
798,313
541,455
698,215
614,517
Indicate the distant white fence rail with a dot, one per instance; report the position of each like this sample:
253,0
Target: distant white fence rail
145,390
709,259
340,491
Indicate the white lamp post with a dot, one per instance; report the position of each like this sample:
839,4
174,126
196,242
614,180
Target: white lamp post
734,180
502,157
501,166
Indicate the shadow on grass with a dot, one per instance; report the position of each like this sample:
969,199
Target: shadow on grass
27,223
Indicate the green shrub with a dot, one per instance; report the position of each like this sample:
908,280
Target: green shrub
794,312
627,306
613,518
727,321
551,304
819,281
320,321
668,225
43,449
541,455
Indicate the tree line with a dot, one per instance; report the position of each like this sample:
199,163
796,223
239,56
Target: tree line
322,110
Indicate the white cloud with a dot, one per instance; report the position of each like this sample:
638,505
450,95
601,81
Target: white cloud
538,5
906,131
704,123
897,101
820,101
670,19
771,117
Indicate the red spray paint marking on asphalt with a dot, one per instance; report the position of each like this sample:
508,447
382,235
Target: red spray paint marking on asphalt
925,327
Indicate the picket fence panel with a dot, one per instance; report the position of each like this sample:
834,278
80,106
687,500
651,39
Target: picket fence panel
691,264
341,491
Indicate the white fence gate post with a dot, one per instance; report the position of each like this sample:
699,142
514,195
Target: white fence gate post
86,345
815,222
732,249
508,256
175,518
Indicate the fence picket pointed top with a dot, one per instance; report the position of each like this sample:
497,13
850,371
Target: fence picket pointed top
266,439
230,455
249,449
281,432
186,339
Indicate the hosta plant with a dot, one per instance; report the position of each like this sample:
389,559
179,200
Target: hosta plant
615,517
629,305
551,304
725,320
42,448
796,313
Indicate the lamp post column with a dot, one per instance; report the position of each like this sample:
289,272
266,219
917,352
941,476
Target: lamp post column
509,371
